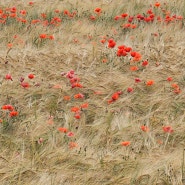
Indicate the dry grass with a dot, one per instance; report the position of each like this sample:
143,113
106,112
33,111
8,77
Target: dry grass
99,159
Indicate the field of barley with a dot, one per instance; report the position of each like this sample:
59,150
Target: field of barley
92,92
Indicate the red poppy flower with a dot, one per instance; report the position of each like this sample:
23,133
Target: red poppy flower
98,10
63,129
8,77
137,80
13,15
133,53
175,86
128,49
67,98
167,129
169,79
8,107
124,15
72,145
66,12
92,17
149,82
104,60
51,37
117,17
31,76
125,143
23,12
13,114
57,11
157,4
25,84
77,85
111,43
130,89
137,57
177,91
103,41
134,68
144,128
84,105
78,96
77,116
115,96
145,63
70,134
75,109
43,36
31,3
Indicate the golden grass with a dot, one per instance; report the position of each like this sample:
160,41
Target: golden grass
99,159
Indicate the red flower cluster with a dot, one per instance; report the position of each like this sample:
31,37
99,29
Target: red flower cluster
77,110
69,14
111,43
74,80
176,88
45,36
10,108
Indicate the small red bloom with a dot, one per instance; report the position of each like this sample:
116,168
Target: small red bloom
13,114
31,3
66,12
31,76
103,41
157,4
144,128
25,84
63,129
169,79
115,96
128,49
134,68
167,129
137,80
117,17
77,116
75,109
125,143
145,63
124,15
8,77
149,82
111,43
78,96
84,105
43,36
57,11
133,53
98,10
67,98
51,37
23,12
72,145
70,134
92,17
8,107
130,89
